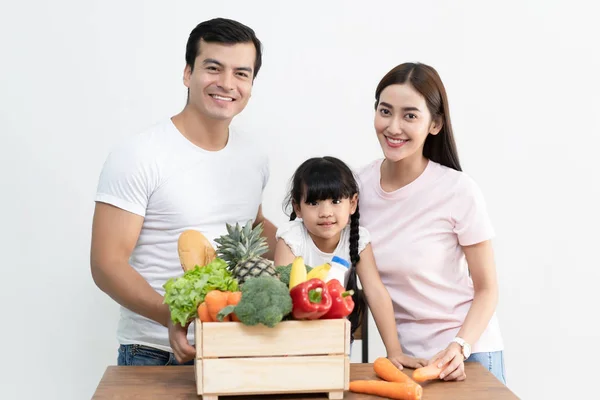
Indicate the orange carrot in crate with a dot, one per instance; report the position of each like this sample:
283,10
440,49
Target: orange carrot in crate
386,370
203,312
232,299
391,390
216,300
428,372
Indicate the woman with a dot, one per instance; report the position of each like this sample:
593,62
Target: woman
430,229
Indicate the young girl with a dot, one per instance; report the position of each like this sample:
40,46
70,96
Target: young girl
324,223
430,228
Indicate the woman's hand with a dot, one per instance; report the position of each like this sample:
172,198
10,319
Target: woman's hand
401,360
452,355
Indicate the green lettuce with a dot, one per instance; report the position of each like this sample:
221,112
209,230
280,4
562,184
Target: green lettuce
185,293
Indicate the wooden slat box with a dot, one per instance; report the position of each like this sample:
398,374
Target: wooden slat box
292,357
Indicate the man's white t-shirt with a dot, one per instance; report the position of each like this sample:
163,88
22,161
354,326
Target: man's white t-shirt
176,185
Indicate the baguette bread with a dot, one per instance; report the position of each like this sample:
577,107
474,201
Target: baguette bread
194,249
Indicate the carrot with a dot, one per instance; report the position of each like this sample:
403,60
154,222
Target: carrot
215,301
428,372
203,313
391,390
387,371
232,299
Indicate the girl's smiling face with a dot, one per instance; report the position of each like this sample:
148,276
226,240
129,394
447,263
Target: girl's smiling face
325,219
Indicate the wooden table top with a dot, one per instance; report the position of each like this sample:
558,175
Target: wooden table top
178,382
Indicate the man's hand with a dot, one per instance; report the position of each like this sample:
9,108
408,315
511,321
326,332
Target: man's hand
452,355
401,360
182,349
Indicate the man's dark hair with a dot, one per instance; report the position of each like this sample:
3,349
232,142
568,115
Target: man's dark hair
222,30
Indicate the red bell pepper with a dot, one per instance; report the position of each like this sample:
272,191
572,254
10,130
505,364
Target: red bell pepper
310,299
342,302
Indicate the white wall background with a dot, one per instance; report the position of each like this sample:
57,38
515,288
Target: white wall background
522,77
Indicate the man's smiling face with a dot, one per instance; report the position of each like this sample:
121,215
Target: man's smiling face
221,83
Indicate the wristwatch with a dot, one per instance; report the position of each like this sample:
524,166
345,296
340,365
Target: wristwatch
466,347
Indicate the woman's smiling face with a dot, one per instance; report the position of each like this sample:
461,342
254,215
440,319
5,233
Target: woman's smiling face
403,122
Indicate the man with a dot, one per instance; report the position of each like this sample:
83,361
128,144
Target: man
188,172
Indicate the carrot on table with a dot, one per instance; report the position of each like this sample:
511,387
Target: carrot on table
391,390
428,372
203,313
216,300
233,298
386,370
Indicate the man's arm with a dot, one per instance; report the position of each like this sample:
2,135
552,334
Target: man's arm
269,231
114,235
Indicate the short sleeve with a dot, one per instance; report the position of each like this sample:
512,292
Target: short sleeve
126,180
364,238
292,233
469,214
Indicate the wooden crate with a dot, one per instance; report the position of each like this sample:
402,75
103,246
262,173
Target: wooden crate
293,357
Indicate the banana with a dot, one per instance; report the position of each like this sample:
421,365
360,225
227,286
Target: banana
298,272
319,272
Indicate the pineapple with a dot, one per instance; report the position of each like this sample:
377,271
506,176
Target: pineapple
241,248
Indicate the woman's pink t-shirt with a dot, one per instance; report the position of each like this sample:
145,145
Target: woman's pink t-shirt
416,234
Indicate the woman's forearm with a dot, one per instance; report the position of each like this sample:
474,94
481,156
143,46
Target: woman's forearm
479,315
383,314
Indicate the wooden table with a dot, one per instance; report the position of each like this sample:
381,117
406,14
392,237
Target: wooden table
178,382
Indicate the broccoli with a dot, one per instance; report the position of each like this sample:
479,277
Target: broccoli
265,300
283,272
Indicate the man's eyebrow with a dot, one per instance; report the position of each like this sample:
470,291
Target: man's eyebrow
212,61
220,64
247,69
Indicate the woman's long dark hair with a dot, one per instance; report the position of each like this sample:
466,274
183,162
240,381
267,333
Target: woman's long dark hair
325,178
440,148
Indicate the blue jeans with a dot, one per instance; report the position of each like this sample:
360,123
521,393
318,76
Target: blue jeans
137,354
494,362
